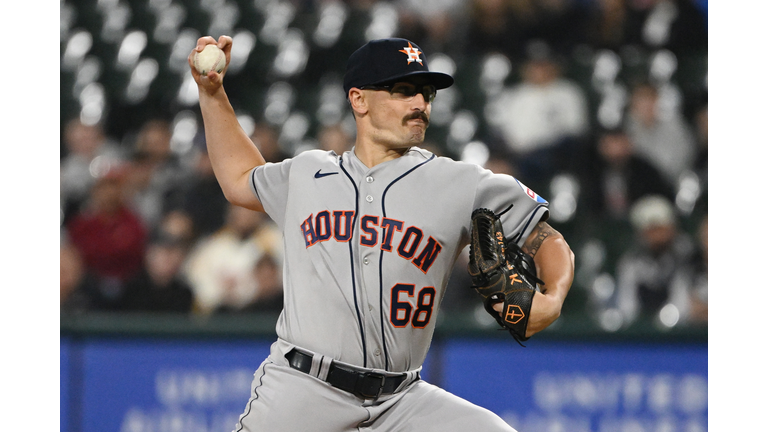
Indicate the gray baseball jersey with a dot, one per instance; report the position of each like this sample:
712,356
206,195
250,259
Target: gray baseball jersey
368,251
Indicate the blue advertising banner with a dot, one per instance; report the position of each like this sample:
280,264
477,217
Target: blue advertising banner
169,386
187,385
583,387
64,384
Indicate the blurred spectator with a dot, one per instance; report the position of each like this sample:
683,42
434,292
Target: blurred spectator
73,281
661,136
269,278
155,172
700,275
220,267
614,178
88,151
178,225
110,239
541,119
159,286
200,198
653,275
701,164
334,137
269,296
265,137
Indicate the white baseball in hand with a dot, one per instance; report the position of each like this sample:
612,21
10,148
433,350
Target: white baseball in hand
210,58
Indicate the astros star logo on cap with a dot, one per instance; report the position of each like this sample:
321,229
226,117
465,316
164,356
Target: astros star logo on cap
413,53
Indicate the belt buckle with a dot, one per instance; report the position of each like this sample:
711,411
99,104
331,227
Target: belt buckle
368,381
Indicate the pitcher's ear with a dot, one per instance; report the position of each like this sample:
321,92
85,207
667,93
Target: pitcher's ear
357,100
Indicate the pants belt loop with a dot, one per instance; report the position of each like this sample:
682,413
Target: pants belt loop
317,360
411,376
325,366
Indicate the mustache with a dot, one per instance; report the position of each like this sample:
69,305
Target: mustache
417,115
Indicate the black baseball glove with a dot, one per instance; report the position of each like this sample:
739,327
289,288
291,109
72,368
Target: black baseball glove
501,272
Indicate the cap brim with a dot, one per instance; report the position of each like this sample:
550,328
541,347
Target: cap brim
438,79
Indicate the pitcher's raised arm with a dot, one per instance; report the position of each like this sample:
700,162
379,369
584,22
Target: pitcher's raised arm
232,153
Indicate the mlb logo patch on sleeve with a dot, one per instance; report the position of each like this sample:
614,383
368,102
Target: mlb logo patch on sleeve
528,191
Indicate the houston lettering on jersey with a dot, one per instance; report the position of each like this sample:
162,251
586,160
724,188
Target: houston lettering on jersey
390,234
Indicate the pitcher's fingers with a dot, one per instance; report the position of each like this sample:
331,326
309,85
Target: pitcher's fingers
203,41
225,43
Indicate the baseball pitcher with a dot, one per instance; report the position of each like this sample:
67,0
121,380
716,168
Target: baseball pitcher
370,239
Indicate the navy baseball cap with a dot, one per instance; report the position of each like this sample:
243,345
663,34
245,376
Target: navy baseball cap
384,61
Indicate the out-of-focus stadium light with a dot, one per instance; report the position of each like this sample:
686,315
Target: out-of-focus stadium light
141,78
92,103
658,24
565,196
278,15
592,254
279,100
610,111
158,5
670,101
185,128
442,107
603,287
169,17
332,102
462,130
89,71
117,14
246,122
663,64
384,21
688,192
243,43
333,15
607,65
440,62
611,320
186,40
77,47
495,69
101,165
669,315
293,131
475,152
292,54
223,18
131,47
188,93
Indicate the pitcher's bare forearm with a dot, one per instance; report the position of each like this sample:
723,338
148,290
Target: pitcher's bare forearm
231,151
555,265
233,155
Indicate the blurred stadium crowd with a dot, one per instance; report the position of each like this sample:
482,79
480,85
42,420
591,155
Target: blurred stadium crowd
598,105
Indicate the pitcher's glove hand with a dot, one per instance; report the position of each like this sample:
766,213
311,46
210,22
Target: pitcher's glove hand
501,272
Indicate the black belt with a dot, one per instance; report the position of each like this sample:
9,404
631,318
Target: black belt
366,385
